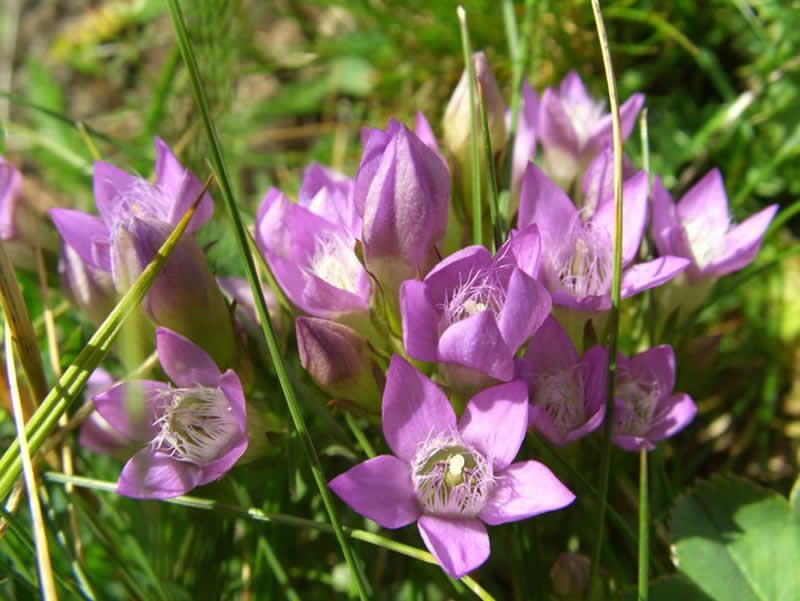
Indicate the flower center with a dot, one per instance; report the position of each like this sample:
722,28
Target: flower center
638,395
196,425
140,199
583,266
560,393
335,262
584,116
480,292
450,477
706,239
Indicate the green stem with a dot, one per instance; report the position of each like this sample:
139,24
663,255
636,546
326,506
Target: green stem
362,440
651,298
644,543
469,65
497,226
613,330
252,277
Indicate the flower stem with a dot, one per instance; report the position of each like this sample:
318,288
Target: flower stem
644,543
477,222
252,276
613,330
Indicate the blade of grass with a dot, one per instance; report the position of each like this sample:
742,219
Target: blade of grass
498,228
613,328
252,276
256,514
644,546
46,582
71,383
469,65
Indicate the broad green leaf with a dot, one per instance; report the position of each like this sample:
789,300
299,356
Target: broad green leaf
669,588
737,541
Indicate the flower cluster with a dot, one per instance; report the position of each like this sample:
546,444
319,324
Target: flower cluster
376,273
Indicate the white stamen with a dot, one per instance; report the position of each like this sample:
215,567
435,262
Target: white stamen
450,477
196,425
584,116
560,393
583,265
480,292
639,394
335,262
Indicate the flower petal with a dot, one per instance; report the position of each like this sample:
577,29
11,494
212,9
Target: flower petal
677,412
545,204
185,363
476,342
602,133
380,489
181,187
526,306
109,182
643,276
214,470
706,200
414,409
231,387
666,226
132,407
451,272
554,127
459,545
742,243
523,490
634,214
420,321
495,420
155,475
82,232
658,362
550,348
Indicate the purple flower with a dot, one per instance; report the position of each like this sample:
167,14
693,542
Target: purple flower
573,127
451,477
565,390
473,312
312,259
10,183
89,288
193,433
524,141
699,228
402,190
96,433
456,120
578,254
339,361
136,217
238,291
329,194
645,409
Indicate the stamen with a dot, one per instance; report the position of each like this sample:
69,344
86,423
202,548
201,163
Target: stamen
140,199
560,393
480,292
583,265
639,394
335,262
196,424
450,477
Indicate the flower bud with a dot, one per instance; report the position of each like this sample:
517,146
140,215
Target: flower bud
90,289
570,574
338,360
457,122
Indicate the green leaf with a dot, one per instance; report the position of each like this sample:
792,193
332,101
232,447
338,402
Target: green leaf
669,588
735,540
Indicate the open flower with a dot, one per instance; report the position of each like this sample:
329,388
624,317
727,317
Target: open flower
452,477
193,433
573,127
312,259
565,390
96,434
474,311
329,194
699,228
645,409
578,254
136,217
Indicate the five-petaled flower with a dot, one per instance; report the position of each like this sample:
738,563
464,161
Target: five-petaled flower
193,433
451,476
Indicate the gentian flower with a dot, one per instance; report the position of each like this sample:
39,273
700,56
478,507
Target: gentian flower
699,228
312,259
96,434
573,127
473,312
193,433
577,265
645,409
89,288
565,390
136,217
456,120
449,476
329,194
402,191
10,183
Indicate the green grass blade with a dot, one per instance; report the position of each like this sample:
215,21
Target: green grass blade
72,381
498,227
252,277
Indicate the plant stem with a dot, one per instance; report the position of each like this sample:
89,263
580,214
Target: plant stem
261,307
644,542
613,329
